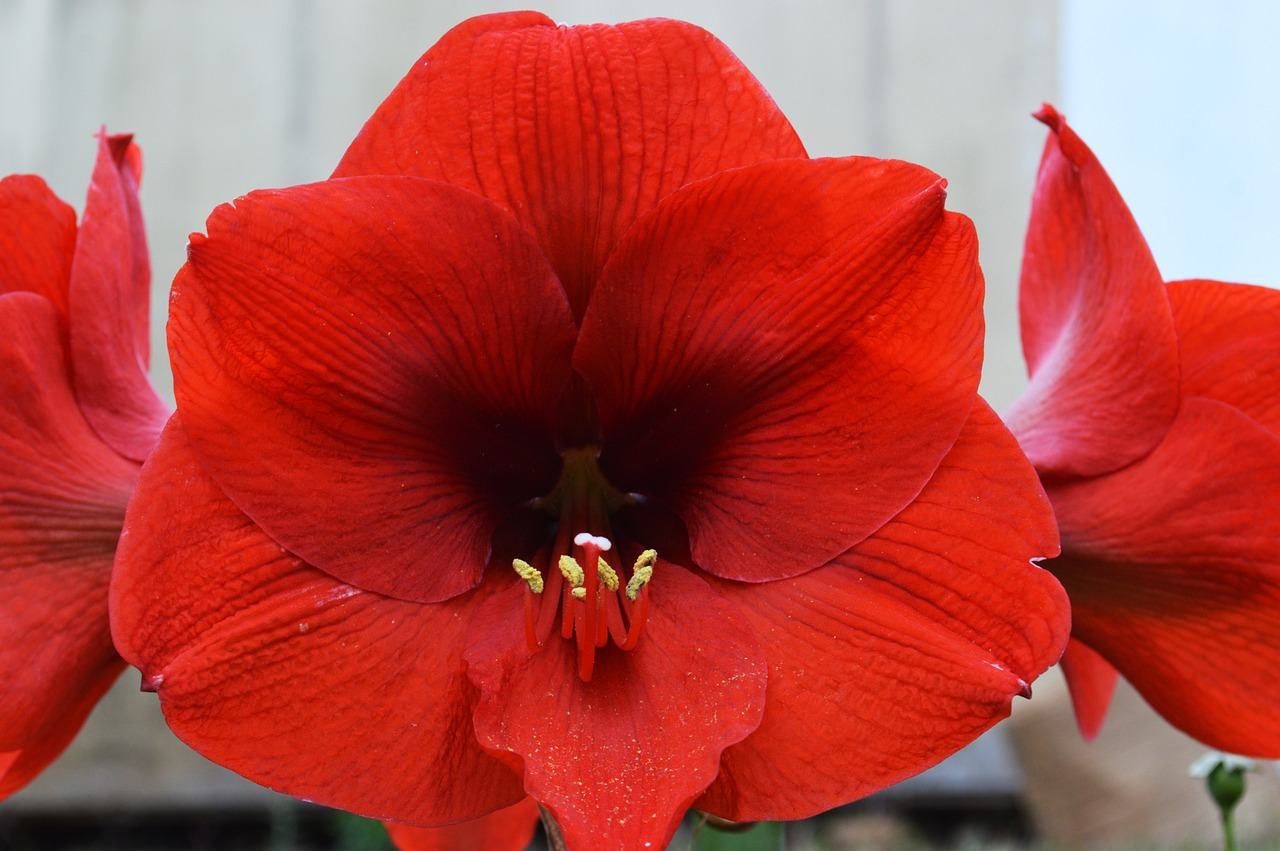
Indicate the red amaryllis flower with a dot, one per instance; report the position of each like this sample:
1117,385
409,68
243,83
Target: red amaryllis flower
582,439
1153,416
76,416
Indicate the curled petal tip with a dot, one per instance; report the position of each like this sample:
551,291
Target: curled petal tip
1025,690
1050,117
151,682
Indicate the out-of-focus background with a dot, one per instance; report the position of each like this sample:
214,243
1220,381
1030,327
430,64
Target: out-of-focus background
1177,98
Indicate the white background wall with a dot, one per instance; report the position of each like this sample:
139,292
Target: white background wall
1181,101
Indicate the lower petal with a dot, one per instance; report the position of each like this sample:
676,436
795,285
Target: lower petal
322,691
62,499
508,829
1092,681
905,648
619,759
1172,569
20,767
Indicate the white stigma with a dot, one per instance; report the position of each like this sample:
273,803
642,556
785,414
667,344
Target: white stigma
602,544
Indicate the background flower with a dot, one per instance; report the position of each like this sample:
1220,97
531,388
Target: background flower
77,415
1151,416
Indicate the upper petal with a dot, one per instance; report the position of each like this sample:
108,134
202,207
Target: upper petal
905,648
794,334
286,675
1174,577
619,759
576,130
1229,342
369,369
109,306
37,239
1096,328
62,500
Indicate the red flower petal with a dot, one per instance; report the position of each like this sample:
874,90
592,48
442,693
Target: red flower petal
576,130
109,304
907,647
1173,573
370,369
37,239
508,829
20,767
782,336
1229,342
1096,328
1091,680
321,690
618,760
62,499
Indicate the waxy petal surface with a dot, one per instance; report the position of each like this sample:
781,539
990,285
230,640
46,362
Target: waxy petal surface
576,130
780,336
1091,681
321,690
109,304
369,369
618,760
1229,343
1097,332
1172,570
62,501
508,829
905,648
37,239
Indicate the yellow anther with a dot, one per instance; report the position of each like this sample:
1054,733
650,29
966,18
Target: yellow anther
608,576
641,573
529,574
572,571
579,593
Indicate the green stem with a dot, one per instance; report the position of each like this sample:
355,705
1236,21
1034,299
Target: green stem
1229,830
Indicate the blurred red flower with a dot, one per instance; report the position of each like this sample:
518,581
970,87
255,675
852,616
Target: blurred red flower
77,415
577,303
1152,417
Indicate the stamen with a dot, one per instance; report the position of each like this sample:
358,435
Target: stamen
641,573
572,571
529,574
533,579
608,575
586,594
577,578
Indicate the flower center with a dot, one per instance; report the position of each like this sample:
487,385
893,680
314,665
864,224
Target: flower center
572,580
